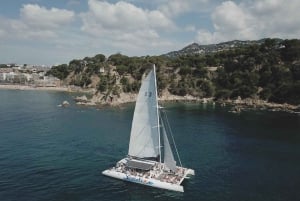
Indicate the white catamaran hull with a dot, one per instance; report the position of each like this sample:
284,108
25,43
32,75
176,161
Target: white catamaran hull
145,181
156,180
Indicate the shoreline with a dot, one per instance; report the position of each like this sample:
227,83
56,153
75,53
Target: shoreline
237,105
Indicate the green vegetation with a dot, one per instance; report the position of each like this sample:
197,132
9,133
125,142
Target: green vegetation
270,71
60,71
3,66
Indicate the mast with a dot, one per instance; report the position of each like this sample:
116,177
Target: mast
157,113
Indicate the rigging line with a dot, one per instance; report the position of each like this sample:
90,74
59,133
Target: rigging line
171,133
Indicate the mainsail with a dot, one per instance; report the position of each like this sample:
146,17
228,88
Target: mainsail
144,136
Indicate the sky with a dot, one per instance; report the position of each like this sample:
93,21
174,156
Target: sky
52,32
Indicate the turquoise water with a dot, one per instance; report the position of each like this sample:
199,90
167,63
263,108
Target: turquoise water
53,153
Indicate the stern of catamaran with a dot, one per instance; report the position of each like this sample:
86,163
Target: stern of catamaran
190,172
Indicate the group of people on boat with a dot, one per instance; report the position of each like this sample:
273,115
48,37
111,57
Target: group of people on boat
154,173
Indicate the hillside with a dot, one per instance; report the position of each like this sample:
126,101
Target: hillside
195,48
268,69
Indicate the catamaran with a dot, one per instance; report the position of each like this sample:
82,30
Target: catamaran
144,163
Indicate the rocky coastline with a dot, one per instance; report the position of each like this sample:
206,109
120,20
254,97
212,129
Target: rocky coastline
99,99
238,105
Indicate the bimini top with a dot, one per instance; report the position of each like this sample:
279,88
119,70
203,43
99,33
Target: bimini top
140,164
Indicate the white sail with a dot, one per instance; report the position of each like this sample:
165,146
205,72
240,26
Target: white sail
169,161
144,136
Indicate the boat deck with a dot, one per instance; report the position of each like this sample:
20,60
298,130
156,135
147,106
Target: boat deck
156,176
155,172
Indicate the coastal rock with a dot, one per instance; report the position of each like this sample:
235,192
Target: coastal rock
235,109
253,103
82,99
238,100
65,103
103,99
88,103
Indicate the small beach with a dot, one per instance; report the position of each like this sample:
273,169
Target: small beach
27,87
45,88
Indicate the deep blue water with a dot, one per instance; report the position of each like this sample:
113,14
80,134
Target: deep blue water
53,153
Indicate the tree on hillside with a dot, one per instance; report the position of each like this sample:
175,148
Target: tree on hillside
118,59
76,65
60,71
290,50
99,58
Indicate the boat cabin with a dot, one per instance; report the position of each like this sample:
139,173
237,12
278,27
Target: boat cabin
140,164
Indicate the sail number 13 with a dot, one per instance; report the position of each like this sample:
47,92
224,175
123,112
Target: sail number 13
148,94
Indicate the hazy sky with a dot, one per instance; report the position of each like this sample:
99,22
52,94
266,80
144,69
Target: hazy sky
57,31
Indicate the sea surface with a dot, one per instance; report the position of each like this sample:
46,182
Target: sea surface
54,153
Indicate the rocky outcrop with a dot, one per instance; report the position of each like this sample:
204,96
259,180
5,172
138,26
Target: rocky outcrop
100,99
116,100
238,104
252,103
82,99
65,103
167,96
